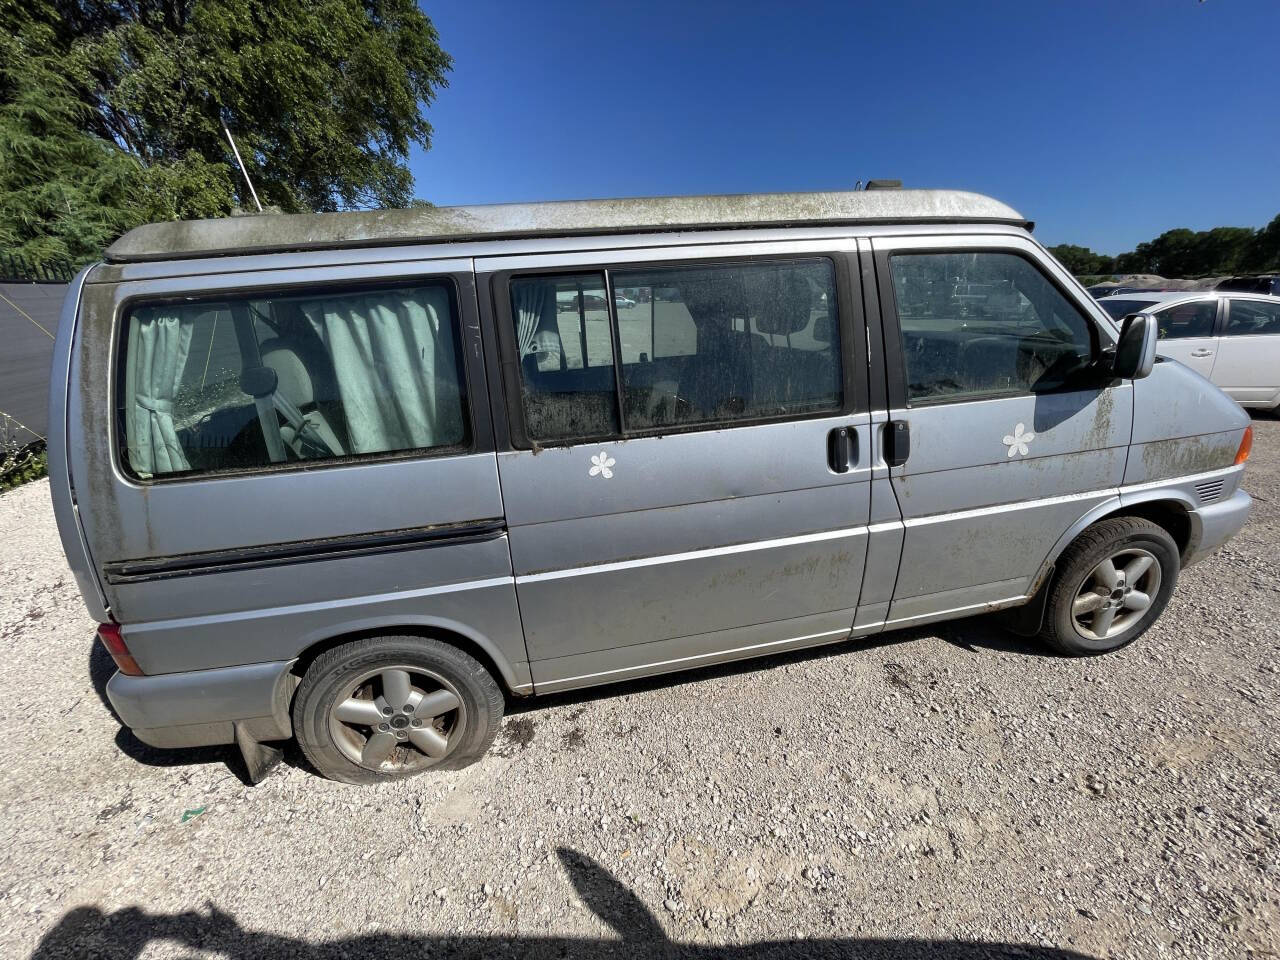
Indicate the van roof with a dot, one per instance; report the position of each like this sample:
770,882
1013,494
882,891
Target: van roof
269,233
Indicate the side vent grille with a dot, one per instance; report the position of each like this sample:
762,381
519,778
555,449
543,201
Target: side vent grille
1210,490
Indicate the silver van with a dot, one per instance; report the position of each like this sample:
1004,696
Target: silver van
358,478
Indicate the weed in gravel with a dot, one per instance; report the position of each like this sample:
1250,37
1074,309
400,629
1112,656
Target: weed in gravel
19,462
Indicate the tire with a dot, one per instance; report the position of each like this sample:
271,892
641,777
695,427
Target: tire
386,708
1073,625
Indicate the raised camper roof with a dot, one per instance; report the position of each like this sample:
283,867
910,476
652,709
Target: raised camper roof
270,233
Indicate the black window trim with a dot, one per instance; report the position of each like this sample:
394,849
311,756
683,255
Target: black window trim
895,360
474,402
851,352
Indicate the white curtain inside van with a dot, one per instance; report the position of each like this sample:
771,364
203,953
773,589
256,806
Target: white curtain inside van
159,342
530,303
395,363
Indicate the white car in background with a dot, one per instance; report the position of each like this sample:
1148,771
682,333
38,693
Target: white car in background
1230,338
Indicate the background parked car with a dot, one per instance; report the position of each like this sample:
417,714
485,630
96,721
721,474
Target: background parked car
1231,338
1099,292
1264,284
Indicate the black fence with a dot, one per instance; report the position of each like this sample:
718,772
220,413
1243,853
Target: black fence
15,268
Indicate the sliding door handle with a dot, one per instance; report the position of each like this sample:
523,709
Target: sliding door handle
842,449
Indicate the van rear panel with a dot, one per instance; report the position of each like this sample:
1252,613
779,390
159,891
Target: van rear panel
216,551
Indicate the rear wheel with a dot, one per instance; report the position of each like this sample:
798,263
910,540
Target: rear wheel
384,708
1113,582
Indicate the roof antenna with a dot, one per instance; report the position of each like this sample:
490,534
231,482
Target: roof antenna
234,150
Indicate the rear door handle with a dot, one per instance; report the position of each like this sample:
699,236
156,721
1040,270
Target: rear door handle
1201,352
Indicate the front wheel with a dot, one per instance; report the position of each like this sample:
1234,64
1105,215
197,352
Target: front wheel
384,708
1113,582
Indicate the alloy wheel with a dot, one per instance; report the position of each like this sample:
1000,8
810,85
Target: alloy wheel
1116,594
397,719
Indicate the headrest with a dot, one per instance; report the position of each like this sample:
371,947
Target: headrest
784,302
294,382
712,300
822,328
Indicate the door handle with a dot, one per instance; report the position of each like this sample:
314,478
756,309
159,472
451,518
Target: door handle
1201,352
897,442
842,449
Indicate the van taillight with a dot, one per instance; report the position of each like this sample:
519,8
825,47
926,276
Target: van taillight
109,634
1246,445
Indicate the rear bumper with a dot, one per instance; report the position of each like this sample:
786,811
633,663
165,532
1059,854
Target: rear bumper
1219,522
205,707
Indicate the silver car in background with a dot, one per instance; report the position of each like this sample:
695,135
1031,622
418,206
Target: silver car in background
358,478
1232,339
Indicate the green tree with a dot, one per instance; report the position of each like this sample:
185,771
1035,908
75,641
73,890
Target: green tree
1185,253
1263,254
64,193
112,113
1082,261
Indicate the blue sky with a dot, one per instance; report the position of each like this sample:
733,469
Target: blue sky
1105,121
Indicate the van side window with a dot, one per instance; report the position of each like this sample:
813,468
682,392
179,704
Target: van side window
1252,317
697,345
1187,320
247,382
565,343
723,343
984,324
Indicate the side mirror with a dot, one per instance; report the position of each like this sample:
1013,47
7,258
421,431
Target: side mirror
1136,350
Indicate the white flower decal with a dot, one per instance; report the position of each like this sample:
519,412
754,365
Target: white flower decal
1017,442
602,464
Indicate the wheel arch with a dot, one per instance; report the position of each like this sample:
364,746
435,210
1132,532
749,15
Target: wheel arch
1169,509
513,678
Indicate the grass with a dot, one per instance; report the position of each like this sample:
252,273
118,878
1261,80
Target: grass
19,462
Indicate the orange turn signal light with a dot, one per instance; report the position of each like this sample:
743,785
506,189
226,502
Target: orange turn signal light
109,634
1246,445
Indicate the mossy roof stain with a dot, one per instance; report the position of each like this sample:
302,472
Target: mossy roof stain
270,233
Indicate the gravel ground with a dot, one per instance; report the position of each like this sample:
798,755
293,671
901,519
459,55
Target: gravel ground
943,792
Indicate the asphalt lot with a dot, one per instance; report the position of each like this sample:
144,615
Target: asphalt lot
946,792
28,321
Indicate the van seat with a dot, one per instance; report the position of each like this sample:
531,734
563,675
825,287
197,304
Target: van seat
295,383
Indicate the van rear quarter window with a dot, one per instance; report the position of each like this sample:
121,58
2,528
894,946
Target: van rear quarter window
265,380
985,324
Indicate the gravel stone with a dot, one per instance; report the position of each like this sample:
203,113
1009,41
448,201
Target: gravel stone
940,785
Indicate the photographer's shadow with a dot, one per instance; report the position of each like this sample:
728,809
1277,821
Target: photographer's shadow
125,935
